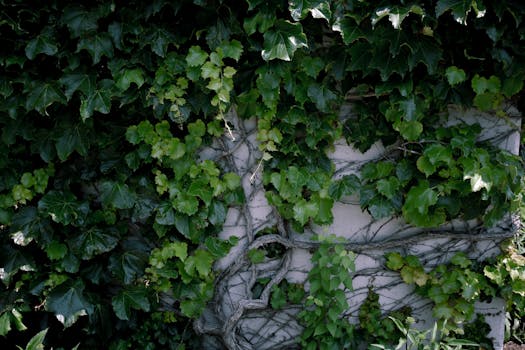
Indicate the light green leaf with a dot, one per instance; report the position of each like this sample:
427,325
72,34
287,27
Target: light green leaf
455,75
438,154
196,56
203,262
410,130
63,207
217,213
419,198
304,211
394,261
231,49
256,256
43,43
68,303
97,46
283,40
127,299
5,323
232,180
481,84
37,341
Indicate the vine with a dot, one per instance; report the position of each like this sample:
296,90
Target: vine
133,133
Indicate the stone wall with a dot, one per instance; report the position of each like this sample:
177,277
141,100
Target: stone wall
237,320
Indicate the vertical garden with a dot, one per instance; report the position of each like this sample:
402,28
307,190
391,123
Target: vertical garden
111,204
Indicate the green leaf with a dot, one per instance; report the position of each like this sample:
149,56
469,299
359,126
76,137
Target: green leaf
388,187
129,265
304,211
425,166
512,85
455,75
410,130
283,40
232,180
394,261
127,299
196,56
79,20
43,95
14,260
346,186
203,262
5,323
419,198
128,76
396,14
93,241
231,49
256,256
427,51
481,85
350,30
217,213
438,154
56,250
73,82
37,341
43,43
380,207
68,303
98,100
459,8
322,96
63,207
318,8
116,194
74,138
27,225
97,46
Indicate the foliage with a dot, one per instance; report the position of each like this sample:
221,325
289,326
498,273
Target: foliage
329,279
107,208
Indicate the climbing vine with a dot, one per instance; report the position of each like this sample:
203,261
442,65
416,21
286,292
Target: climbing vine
120,124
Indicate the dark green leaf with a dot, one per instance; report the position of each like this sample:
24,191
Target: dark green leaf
93,241
74,138
79,20
43,95
27,225
97,45
127,299
318,8
283,40
68,302
116,194
380,207
346,186
459,8
426,51
217,213
350,30
99,100
84,83
388,187
128,76
420,198
14,261
322,96
43,43
63,207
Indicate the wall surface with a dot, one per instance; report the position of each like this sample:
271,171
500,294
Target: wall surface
238,320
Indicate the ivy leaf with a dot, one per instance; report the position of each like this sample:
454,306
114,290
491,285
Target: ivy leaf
380,207
388,187
97,45
14,260
217,213
129,265
116,194
73,82
231,49
396,15
202,260
127,299
321,96
360,54
79,20
283,40
318,8
438,154
350,30
256,256
159,39
346,186
303,211
43,43
459,8
98,100
128,76
196,56
63,207
94,241
324,215
455,75
68,303
419,198
43,95
394,261
27,225
73,138
481,85
410,130
37,341
426,51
